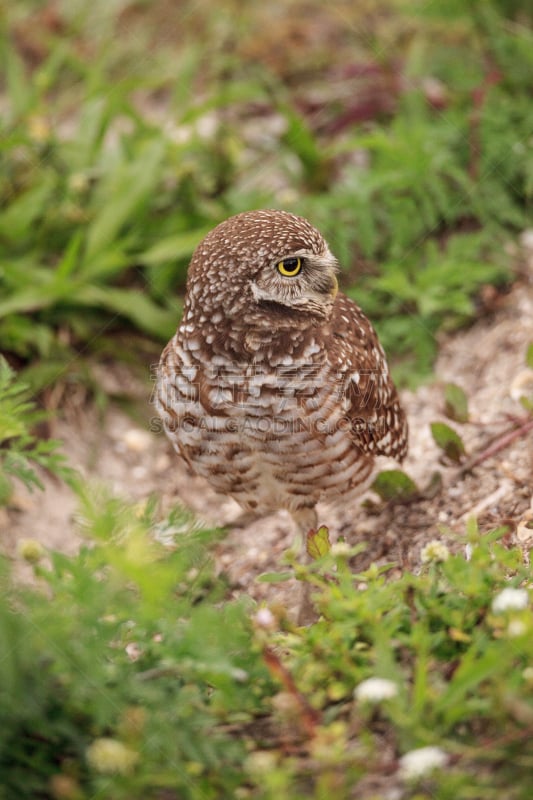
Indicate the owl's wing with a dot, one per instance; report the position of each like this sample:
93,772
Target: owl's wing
369,398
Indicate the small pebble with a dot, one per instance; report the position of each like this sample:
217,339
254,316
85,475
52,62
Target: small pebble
162,463
137,440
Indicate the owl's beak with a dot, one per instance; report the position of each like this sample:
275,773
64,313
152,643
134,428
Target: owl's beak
334,286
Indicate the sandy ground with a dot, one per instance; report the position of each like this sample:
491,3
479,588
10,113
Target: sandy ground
487,361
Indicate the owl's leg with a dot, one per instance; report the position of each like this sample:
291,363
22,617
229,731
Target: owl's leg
306,519
245,518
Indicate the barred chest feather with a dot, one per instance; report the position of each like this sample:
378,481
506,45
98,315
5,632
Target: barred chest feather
272,435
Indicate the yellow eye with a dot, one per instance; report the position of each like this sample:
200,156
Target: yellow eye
290,267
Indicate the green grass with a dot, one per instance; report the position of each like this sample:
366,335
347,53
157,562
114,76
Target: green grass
22,453
121,148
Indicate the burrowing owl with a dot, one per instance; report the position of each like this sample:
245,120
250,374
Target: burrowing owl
275,387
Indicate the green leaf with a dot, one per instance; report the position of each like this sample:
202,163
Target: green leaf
317,543
20,450
529,356
27,300
172,248
133,305
455,403
275,577
478,664
449,441
19,85
69,261
16,221
6,489
394,484
302,142
127,187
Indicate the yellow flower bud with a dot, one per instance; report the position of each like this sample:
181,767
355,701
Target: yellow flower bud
31,550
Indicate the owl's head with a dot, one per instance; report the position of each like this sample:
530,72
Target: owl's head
263,265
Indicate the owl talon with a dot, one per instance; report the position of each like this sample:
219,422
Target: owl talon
245,519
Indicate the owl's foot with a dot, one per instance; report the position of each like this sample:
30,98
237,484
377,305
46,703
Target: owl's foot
244,519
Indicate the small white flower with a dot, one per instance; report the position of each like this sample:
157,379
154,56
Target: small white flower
434,552
417,763
133,651
510,599
526,239
264,618
374,690
527,675
516,627
340,549
240,675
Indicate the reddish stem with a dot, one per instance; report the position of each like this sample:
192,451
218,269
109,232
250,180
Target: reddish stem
501,442
309,717
479,96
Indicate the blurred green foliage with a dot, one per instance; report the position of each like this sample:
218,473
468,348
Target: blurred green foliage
122,144
123,674
125,641
22,453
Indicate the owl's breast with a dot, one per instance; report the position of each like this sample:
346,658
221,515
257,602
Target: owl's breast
271,438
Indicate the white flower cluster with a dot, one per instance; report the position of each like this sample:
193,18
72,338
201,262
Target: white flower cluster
434,552
260,762
510,599
420,762
109,756
374,690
